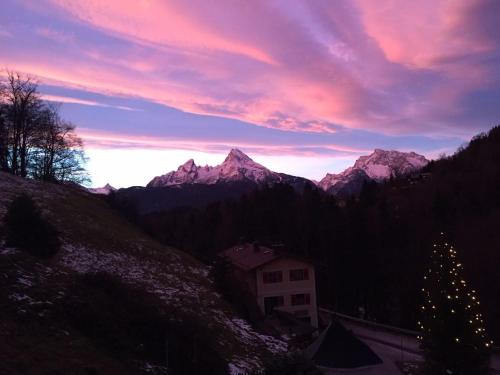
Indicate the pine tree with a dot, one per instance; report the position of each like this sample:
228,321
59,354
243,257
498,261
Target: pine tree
27,229
453,330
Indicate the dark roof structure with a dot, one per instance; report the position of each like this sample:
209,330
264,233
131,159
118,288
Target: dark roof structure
249,256
338,348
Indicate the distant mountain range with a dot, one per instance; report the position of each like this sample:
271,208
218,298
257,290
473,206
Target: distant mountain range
241,169
195,186
238,167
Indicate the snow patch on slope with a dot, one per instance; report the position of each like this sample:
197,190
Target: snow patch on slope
158,278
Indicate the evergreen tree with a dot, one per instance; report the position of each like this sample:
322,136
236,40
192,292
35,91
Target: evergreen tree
27,229
453,334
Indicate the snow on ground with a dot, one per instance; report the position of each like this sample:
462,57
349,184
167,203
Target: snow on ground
167,274
241,366
159,279
242,328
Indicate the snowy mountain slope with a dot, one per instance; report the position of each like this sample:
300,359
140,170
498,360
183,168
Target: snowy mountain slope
381,164
196,186
236,167
343,184
105,190
378,166
97,239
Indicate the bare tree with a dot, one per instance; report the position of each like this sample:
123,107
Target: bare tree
4,151
59,153
34,141
22,100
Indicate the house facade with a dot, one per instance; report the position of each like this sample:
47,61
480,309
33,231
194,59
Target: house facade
278,281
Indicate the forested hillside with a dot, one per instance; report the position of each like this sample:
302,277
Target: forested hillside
372,250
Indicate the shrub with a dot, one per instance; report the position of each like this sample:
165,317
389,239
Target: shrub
26,228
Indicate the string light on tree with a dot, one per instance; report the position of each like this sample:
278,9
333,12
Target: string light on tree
453,335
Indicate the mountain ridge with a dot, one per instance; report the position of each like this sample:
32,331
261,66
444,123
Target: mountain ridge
378,166
237,166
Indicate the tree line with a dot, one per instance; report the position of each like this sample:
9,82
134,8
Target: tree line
370,249
35,142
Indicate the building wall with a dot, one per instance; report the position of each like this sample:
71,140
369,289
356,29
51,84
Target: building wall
248,278
287,288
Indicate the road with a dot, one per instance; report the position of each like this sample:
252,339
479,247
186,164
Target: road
391,344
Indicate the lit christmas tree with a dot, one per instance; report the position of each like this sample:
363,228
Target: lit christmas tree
453,334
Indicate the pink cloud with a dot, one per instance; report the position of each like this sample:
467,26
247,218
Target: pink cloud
103,140
57,36
386,66
193,39
69,99
158,22
421,34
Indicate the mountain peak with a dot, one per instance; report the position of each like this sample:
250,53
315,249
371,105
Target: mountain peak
382,164
378,166
188,166
237,155
106,189
236,167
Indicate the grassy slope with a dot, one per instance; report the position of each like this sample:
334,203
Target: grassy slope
97,239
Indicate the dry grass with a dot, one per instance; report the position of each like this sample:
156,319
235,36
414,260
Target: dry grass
96,238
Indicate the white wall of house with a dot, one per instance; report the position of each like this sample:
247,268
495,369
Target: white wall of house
288,289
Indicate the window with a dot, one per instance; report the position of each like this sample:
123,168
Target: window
301,299
272,277
271,302
299,274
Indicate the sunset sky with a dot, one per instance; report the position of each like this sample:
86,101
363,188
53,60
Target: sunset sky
303,87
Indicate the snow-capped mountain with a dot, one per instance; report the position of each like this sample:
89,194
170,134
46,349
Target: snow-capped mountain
381,164
105,190
378,166
236,167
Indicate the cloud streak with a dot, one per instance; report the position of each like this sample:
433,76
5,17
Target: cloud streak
105,140
385,66
71,100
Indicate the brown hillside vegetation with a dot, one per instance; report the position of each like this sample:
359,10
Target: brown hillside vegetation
112,299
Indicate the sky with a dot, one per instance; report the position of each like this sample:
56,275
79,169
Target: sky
303,87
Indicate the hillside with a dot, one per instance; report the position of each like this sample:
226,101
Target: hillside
366,245
50,307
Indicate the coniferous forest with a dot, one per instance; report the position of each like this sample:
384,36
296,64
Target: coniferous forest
372,250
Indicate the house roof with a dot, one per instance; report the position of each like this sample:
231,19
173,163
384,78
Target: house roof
249,256
338,348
